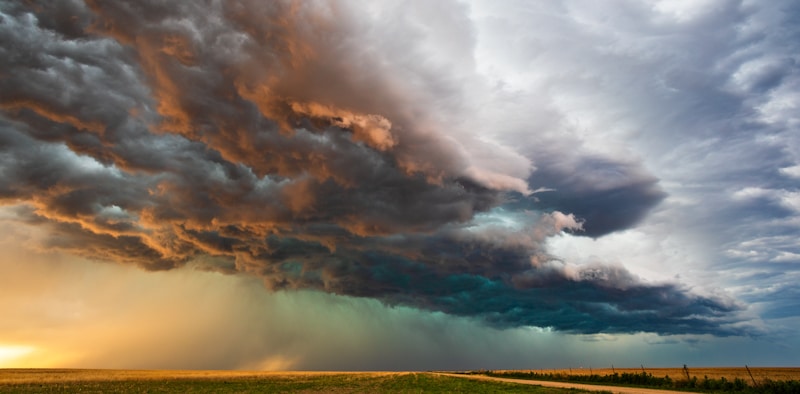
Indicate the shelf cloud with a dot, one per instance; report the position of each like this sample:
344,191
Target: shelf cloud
351,149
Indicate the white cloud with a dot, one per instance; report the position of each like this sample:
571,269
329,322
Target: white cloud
793,171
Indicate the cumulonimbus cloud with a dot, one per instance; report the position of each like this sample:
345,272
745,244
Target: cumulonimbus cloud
291,141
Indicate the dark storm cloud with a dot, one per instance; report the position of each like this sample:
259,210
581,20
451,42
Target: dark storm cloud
465,280
285,140
606,195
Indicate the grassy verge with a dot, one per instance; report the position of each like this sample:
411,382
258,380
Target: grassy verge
296,383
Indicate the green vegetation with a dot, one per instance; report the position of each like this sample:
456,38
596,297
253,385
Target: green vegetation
644,379
302,383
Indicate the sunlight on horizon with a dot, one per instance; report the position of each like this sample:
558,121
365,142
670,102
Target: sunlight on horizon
11,353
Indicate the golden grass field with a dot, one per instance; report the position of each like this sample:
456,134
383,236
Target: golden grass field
73,375
759,373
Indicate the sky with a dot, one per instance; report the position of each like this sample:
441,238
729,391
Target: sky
341,185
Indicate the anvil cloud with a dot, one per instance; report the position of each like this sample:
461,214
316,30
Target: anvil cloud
431,155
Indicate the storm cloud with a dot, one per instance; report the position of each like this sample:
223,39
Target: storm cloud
328,146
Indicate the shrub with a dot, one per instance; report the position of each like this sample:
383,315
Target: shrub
721,385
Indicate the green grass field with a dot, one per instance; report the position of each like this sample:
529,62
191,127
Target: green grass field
98,381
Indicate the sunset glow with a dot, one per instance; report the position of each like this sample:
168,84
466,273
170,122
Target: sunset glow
9,354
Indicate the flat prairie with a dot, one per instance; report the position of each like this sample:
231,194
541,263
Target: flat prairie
730,373
161,381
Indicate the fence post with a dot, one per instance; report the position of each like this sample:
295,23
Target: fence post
751,375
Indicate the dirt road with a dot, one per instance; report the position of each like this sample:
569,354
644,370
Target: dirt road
591,387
